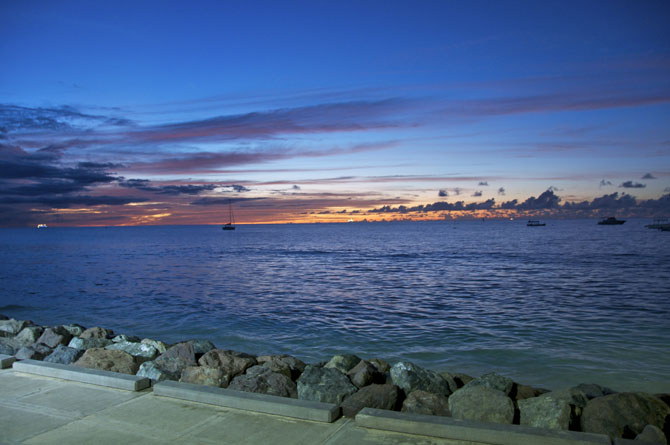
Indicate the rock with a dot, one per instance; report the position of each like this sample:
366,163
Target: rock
159,345
115,361
422,402
283,364
175,360
127,338
151,371
324,385
371,396
526,392
97,332
64,355
364,373
664,397
479,402
88,343
462,379
493,381
201,346
142,351
623,414
55,336
203,375
74,329
35,352
592,390
410,377
3,317
653,435
6,348
11,327
232,363
381,365
559,410
343,363
28,335
261,379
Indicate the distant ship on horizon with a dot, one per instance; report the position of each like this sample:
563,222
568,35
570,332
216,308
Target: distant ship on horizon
41,226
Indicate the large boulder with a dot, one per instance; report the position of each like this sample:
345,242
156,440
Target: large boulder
6,347
324,385
652,435
177,358
410,377
142,351
283,364
88,343
592,390
125,338
493,381
343,363
97,332
261,379
203,375
232,363
559,410
623,414
381,365
75,329
481,403
371,396
159,345
115,361
11,327
460,378
201,346
55,336
422,402
28,335
151,371
34,352
526,392
365,373
64,355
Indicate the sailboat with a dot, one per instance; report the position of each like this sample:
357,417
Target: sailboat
230,225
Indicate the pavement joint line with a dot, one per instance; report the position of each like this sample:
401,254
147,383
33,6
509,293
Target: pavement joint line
345,424
467,430
249,401
84,375
43,410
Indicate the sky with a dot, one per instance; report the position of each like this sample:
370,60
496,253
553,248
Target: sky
134,113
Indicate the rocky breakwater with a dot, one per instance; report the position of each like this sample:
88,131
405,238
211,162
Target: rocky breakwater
348,381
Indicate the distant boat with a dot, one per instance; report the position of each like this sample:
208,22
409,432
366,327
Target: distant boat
230,225
659,224
41,226
611,221
534,223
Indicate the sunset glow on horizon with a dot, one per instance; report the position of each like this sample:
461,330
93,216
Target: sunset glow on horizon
164,113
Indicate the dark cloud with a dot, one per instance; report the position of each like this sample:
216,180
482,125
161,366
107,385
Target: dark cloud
547,200
442,193
649,176
554,189
501,191
68,201
221,201
483,183
632,185
295,187
604,183
477,194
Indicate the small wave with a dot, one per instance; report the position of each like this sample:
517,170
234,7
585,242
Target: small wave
15,307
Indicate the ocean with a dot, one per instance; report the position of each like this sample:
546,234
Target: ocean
550,306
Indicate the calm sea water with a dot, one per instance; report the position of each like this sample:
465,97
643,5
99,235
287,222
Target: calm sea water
551,306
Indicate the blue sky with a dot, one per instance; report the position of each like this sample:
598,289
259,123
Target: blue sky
161,112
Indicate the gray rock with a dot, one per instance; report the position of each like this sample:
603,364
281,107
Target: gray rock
371,396
343,363
422,402
324,385
381,365
283,364
621,413
410,377
201,346
34,352
559,410
159,345
97,332
3,317
55,336
526,392
592,390
232,363
125,338
175,360
115,361
364,373
461,379
64,355
6,348
11,327
88,343
183,351
28,335
261,379
142,351
203,375
151,371
481,403
493,381
652,435
74,329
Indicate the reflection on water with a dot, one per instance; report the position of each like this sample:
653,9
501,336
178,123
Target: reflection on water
556,305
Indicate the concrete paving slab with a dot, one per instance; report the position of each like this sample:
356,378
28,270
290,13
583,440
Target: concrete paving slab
490,433
84,375
86,432
6,361
14,385
263,403
18,425
354,434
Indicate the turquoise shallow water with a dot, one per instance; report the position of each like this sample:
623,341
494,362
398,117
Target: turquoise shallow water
551,306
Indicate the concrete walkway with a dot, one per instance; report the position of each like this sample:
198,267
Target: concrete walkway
44,410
